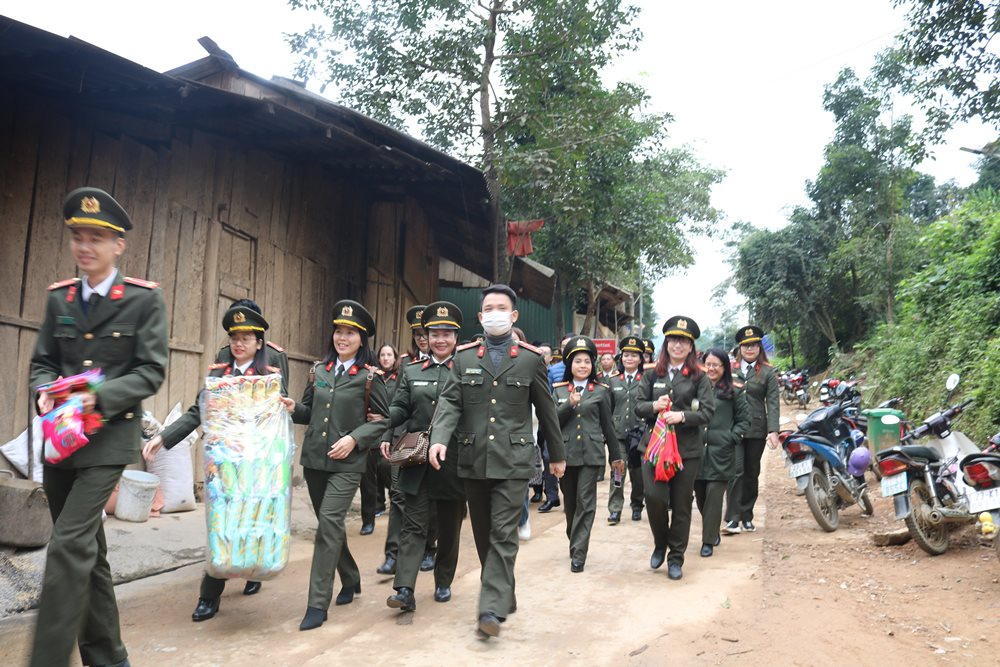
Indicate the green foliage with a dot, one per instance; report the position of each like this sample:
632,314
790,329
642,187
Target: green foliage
949,320
946,60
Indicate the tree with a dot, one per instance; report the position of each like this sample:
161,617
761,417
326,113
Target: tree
467,71
946,60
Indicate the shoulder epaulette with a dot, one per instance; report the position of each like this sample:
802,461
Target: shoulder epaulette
415,361
63,283
215,367
601,384
148,284
528,346
374,369
467,346
560,384
275,346
224,347
648,366
273,369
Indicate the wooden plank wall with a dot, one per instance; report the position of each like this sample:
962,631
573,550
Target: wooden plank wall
213,220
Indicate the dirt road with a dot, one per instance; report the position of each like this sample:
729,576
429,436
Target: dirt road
788,594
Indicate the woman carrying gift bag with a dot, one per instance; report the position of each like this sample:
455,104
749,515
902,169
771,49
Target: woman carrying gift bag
677,402
585,416
343,389
246,328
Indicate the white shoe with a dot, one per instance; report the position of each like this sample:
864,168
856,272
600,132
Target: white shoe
524,532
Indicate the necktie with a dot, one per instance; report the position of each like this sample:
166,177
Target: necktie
628,380
91,302
237,372
340,371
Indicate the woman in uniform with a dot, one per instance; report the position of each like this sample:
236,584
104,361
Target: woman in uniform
419,345
584,409
388,361
760,383
628,427
725,432
246,328
343,388
677,383
414,404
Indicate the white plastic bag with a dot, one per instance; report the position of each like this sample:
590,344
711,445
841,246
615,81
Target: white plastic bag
16,451
172,466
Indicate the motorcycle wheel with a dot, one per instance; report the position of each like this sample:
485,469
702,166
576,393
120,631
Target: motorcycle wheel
866,504
822,502
932,539
788,399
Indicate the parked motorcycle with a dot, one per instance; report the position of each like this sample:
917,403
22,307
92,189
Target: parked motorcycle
828,461
795,387
923,480
981,472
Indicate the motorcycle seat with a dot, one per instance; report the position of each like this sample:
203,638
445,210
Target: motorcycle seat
817,438
920,452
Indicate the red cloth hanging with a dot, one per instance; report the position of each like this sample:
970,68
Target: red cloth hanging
519,236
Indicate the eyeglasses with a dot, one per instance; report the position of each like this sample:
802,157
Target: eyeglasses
713,366
417,336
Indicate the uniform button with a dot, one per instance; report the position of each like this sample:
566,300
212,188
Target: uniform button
87,363
434,383
493,400
522,439
433,402
129,415
579,437
326,419
88,336
493,419
324,434
495,383
578,426
491,436
116,335
327,405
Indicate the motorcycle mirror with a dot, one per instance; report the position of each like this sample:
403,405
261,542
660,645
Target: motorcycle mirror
952,381
890,420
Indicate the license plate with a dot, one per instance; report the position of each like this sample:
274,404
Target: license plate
984,501
800,392
803,467
893,485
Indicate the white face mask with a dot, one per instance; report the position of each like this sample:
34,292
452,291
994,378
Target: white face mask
497,322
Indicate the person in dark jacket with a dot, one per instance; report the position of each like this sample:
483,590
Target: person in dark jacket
335,449
725,432
678,387
588,431
414,404
760,384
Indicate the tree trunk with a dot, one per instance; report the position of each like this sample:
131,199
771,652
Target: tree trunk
588,320
501,263
791,346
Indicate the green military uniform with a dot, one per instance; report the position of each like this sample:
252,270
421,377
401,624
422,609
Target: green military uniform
624,394
760,383
333,405
669,505
485,419
396,497
414,404
237,318
123,333
588,435
725,433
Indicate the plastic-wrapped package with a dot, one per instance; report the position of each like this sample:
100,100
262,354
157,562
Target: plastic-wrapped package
67,426
248,468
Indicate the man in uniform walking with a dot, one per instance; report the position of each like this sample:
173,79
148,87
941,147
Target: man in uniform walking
118,325
485,409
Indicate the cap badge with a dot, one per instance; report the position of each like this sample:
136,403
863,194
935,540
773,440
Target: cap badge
682,324
748,333
580,341
347,311
442,311
90,205
239,318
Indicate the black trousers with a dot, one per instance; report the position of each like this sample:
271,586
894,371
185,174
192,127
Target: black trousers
375,475
668,508
744,489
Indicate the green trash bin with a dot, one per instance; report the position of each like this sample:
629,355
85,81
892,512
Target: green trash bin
883,436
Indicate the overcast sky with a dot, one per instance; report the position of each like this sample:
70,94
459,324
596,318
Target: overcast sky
744,81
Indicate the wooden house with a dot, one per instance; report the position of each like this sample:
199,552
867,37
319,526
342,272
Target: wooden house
238,186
